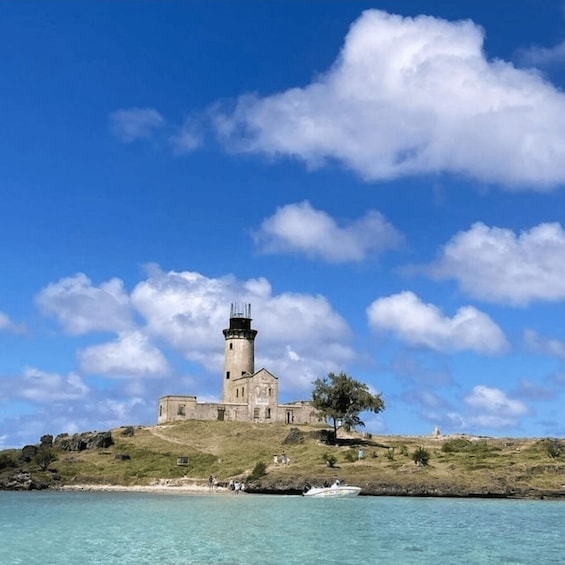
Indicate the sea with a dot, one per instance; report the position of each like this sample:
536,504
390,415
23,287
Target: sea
107,528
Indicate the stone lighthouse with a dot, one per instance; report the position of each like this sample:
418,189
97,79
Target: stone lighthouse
239,353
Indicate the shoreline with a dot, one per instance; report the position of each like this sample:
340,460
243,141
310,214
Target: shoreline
152,489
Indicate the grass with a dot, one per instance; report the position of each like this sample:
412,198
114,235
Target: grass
229,450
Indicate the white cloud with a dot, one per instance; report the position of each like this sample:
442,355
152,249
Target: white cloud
81,307
188,311
42,387
421,324
493,408
496,265
135,123
300,228
130,355
188,137
7,325
543,56
543,345
410,96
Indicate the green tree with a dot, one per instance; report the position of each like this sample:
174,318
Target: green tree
340,399
44,457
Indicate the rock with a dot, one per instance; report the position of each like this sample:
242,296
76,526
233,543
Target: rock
22,480
86,440
294,436
46,441
127,431
28,453
122,457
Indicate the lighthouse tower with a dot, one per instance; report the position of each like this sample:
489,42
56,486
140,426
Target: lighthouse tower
239,352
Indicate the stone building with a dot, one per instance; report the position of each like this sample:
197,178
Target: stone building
247,395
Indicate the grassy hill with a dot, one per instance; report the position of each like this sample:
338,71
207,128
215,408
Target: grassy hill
457,466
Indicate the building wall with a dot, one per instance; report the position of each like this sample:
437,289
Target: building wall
180,408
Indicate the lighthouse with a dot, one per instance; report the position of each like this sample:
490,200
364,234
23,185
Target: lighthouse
239,353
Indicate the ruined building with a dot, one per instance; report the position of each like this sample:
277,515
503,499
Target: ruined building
247,395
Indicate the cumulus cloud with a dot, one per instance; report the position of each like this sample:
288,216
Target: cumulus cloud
187,138
410,96
188,311
421,324
42,387
130,355
493,408
543,56
497,265
80,307
7,325
135,123
544,345
299,228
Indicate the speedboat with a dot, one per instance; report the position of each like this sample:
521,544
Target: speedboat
336,490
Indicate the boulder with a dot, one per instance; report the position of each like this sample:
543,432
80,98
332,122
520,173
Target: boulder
83,441
46,441
28,453
294,436
22,480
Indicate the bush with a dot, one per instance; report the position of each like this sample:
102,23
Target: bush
330,459
404,450
552,447
44,457
260,470
350,456
456,445
390,454
7,461
421,456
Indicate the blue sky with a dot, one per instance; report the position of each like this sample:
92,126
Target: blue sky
382,181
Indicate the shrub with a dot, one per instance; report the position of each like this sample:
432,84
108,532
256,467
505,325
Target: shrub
330,459
260,470
552,447
7,461
421,456
350,456
404,450
390,454
456,445
44,457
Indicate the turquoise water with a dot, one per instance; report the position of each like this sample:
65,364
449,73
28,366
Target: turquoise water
83,528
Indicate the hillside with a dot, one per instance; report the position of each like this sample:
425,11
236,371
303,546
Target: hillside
457,466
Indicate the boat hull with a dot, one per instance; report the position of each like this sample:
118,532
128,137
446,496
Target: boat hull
342,491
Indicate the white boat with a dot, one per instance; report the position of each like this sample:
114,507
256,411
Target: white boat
336,490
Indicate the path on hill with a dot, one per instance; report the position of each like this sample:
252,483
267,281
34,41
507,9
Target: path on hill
165,437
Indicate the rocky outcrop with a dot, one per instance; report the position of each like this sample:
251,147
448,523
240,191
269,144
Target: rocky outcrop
266,485
86,440
28,453
22,480
294,436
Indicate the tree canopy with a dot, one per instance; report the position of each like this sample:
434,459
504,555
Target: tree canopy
341,399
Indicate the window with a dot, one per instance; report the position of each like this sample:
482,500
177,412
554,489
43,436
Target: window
160,410
242,390
221,414
227,375
237,393
269,391
267,413
180,410
256,413
231,345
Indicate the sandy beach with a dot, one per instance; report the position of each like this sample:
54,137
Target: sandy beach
162,486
